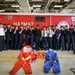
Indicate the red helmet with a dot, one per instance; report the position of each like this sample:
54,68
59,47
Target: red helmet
27,48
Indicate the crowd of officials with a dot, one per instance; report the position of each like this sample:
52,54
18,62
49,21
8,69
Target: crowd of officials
14,37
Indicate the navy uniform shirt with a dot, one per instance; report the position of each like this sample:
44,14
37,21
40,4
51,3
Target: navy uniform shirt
16,34
62,33
37,32
74,33
71,31
21,34
57,33
67,33
27,32
31,33
12,33
8,32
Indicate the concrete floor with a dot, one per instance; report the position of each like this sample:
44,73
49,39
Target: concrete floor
8,59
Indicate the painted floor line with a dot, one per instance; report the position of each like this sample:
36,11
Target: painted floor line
38,58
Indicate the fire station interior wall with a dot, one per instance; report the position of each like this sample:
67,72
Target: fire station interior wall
63,20
30,20
24,20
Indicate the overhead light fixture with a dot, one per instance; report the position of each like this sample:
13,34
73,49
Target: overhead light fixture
31,8
15,6
2,10
37,6
9,0
36,0
34,10
59,6
17,10
67,0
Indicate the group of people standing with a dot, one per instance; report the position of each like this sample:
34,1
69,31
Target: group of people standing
59,39
14,37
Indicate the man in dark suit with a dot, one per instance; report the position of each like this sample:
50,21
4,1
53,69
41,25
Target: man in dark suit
16,34
21,36
27,34
12,36
62,44
32,36
72,37
8,37
37,37
2,34
67,38
56,38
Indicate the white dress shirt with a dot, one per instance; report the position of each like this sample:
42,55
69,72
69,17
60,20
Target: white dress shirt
51,33
2,33
44,33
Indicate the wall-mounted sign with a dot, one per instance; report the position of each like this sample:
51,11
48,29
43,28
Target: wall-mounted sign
9,17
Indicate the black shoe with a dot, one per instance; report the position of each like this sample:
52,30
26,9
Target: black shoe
0,50
37,49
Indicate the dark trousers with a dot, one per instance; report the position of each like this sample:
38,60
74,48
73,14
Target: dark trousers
32,40
56,43
37,42
1,43
49,42
7,41
67,43
44,43
62,44
16,43
20,42
27,40
12,42
72,42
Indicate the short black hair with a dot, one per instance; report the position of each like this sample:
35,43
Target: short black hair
37,25
66,26
27,25
4,24
8,24
44,26
61,26
0,23
21,25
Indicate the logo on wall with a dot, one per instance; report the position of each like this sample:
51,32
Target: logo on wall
62,23
9,17
73,18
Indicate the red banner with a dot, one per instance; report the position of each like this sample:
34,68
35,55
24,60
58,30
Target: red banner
63,20
30,20
23,20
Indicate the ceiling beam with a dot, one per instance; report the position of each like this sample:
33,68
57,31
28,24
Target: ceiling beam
9,2
25,8
65,6
47,5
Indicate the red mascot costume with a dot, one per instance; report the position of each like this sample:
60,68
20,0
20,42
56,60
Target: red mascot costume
24,59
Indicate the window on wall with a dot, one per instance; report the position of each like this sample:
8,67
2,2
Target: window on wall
39,19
